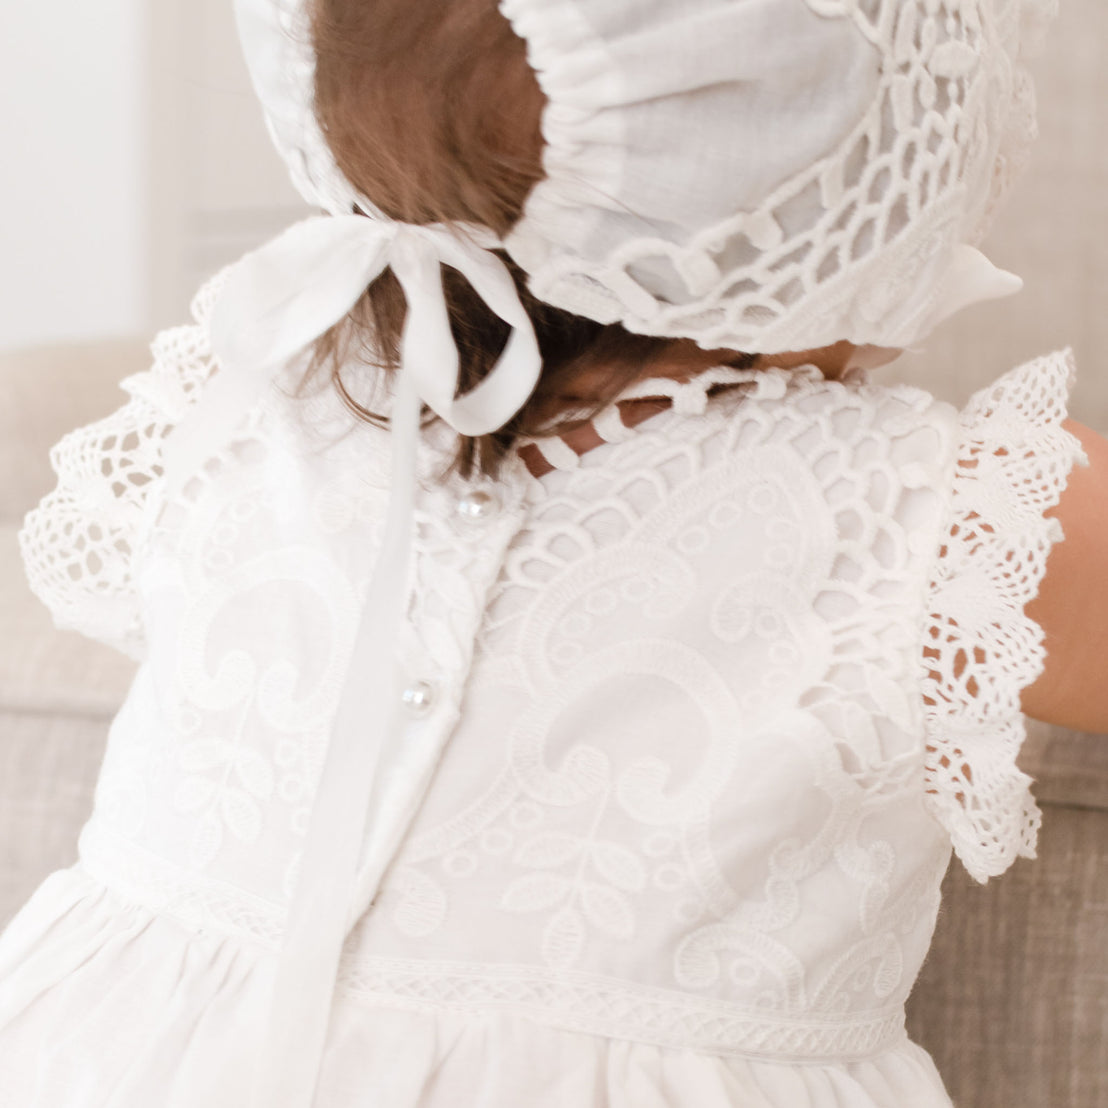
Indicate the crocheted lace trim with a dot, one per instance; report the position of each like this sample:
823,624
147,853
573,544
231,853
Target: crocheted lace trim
597,1005
195,900
982,649
79,544
881,211
689,397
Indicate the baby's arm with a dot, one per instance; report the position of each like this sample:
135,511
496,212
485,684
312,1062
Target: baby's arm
1072,605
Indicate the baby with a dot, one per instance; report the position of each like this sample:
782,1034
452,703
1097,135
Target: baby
565,674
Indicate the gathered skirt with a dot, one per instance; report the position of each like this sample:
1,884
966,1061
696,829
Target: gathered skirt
106,1004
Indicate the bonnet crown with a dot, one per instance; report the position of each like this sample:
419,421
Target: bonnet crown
760,175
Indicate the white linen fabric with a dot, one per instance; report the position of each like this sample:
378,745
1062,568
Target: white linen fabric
839,159
676,782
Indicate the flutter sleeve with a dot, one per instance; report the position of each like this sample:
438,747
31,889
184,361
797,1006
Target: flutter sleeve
1011,465
79,545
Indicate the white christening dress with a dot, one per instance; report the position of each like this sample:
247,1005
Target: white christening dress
692,722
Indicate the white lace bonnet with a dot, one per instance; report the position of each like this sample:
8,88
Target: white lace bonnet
758,175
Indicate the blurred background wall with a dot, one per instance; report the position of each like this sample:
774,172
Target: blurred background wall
1053,233
74,142
135,163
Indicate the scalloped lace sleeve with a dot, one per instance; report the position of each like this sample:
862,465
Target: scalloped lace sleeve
79,544
982,650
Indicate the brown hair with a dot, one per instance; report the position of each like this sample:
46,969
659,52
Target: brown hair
432,111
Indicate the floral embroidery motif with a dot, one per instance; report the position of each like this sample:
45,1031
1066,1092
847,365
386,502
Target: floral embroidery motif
231,799
593,891
618,819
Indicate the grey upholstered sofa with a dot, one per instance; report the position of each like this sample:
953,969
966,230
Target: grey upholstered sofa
1014,998
57,691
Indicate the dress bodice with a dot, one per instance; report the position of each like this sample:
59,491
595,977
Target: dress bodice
685,796
684,743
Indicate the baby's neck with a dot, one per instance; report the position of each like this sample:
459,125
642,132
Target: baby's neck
833,361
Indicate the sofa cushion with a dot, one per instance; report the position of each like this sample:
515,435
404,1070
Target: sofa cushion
1011,1001
1070,768
45,671
48,391
48,767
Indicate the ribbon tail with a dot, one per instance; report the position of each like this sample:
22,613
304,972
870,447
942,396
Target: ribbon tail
967,278
324,896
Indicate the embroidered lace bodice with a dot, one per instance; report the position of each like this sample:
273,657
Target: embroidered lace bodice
692,722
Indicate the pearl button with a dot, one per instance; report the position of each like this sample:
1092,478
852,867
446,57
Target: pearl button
477,504
418,698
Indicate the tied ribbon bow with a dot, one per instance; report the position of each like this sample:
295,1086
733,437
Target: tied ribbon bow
281,298
276,302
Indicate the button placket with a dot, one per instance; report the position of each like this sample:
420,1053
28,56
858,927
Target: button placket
484,520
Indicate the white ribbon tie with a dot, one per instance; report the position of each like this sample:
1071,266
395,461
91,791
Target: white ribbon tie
277,301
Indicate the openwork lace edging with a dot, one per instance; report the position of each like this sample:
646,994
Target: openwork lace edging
79,546
981,648
685,397
843,263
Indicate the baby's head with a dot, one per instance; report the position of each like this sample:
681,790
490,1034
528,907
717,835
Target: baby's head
430,107
432,110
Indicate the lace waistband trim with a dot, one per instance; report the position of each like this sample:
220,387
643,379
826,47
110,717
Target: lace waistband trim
619,1010
581,1002
197,902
